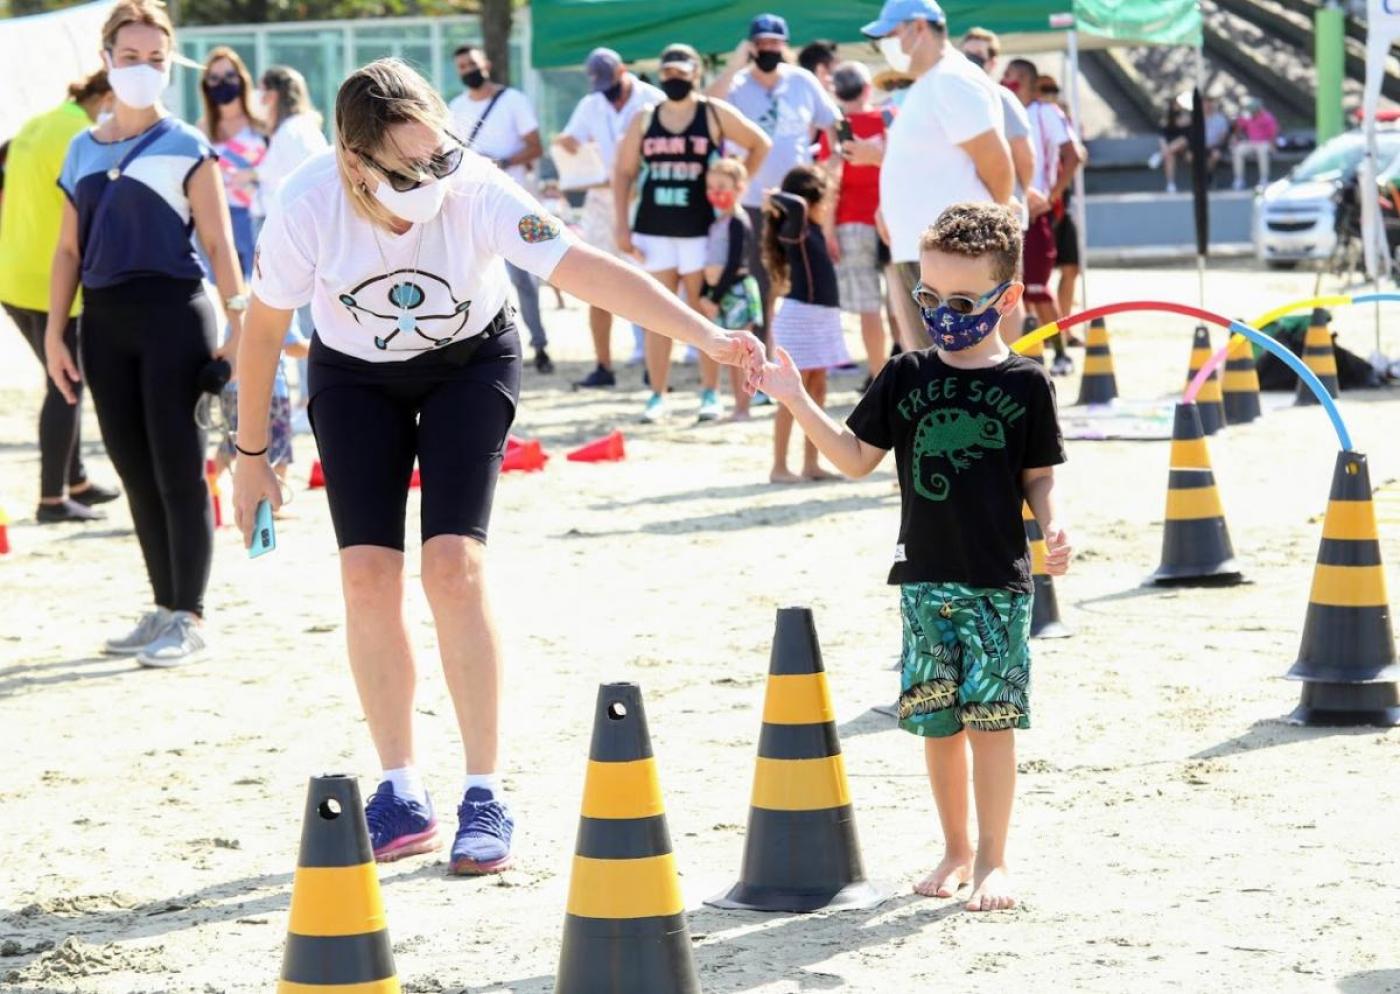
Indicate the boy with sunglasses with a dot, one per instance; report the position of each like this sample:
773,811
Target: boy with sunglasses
975,433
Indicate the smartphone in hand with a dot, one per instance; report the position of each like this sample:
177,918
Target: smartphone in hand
264,533
843,130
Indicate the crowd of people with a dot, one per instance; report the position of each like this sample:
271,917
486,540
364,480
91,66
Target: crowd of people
741,218
1251,132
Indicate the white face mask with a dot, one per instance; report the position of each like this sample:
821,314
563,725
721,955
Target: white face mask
139,86
418,206
895,54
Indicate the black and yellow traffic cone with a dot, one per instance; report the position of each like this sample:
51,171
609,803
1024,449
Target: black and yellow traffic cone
1319,356
1036,351
1045,608
1196,549
337,939
1209,404
801,852
625,931
1098,385
1347,660
1239,387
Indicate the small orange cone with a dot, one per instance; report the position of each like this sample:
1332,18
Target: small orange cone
609,449
1098,385
211,475
1210,403
1319,356
526,458
4,533
1036,351
318,478
513,442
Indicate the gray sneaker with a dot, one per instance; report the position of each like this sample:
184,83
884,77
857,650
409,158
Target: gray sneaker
152,623
179,643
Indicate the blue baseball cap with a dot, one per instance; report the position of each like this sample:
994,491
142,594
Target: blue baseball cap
602,68
896,12
768,26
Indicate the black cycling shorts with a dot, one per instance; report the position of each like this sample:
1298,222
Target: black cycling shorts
450,409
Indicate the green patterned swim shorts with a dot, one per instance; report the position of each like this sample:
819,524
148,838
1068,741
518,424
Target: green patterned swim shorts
966,659
742,307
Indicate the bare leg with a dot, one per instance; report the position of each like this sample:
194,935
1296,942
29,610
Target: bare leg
741,399
994,784
872,334
782,435
381,655
815,382
454,580
659,346
946,759
1069,282
600,323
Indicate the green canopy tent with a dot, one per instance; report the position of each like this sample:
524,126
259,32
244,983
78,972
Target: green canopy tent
565,31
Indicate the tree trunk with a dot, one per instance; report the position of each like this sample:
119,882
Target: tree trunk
495,32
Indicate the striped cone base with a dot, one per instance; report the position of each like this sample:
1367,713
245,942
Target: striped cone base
1319,356
1240,387
1196,549
1347,659
1209,402
337,939
1035,352
1045,608
625,930
801,852
1098,385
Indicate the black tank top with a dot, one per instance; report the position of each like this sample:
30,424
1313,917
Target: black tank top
672,202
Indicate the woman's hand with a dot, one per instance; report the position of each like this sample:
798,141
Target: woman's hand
707,307
229,350
253,481
738,348
63,370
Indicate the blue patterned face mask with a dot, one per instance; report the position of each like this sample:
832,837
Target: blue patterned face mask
954,332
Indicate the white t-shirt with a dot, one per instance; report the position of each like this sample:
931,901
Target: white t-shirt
596,120
1049,130
924,170
436,283
502,134
296,139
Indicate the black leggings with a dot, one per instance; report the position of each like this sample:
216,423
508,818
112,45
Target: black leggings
371,423
143,345
60,447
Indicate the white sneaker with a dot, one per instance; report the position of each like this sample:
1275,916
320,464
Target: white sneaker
152,623
655,409
1154,161
1171,187
1062,366
1237,185
178,644
711,408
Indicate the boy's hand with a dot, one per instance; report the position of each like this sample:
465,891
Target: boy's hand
1057,550
708,308
781,380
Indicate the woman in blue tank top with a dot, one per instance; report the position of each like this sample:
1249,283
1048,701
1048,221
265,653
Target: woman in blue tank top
137,186
664,155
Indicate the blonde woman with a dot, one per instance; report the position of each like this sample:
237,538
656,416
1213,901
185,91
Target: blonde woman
399,240
136,185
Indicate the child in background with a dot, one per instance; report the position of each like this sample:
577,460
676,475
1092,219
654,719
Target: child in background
807,323
279,426
730,297
975,433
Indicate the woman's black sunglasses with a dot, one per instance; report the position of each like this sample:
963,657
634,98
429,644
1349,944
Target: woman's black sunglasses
439,165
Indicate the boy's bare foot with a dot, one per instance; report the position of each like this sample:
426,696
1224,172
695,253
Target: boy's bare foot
946,878
738,415
816,474
783,476
992,890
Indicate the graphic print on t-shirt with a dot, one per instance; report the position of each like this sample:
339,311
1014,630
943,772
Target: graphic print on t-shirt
949,439
408,302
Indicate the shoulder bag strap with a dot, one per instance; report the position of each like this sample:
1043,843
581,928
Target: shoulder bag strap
476,128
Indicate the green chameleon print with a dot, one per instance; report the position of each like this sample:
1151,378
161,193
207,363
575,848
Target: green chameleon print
957,436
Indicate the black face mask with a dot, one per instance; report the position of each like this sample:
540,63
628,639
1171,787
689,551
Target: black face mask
473,80
849,94
612,93
224,93
676,89
768,61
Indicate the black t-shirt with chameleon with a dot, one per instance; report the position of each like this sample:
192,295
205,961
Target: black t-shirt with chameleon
961,438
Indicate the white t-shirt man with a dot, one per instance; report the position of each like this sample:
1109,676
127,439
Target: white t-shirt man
383,297
925,170
596,120
1049,131
503,131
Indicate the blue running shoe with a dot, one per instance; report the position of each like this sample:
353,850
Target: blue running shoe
484,828
399,827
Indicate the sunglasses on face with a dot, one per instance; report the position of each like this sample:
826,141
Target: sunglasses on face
439,165
959,303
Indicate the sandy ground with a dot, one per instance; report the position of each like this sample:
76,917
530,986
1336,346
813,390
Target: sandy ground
1172,833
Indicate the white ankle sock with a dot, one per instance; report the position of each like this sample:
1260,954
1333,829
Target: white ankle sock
408,784
490,781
